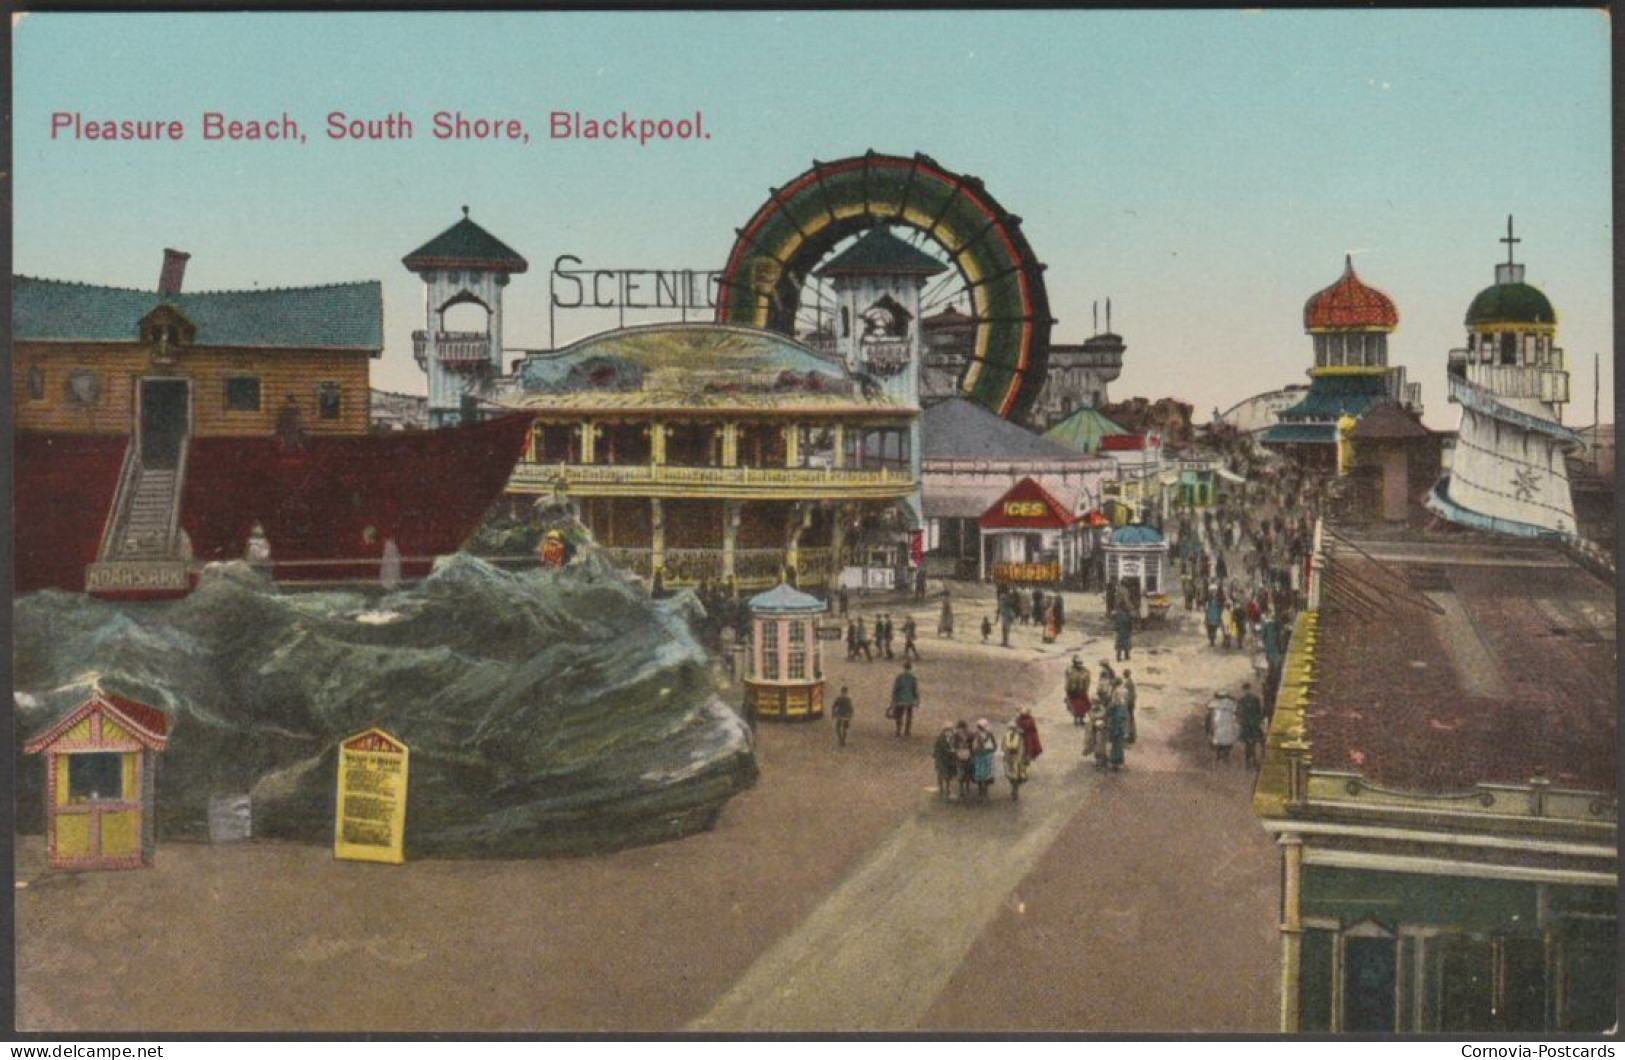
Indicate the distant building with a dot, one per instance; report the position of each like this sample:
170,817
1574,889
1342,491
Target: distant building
1440,775
1349,323
399,412
1394,461
948,339
1076,375
1168,417
1509,472
1598,455
1137,485
1084,430
464,270
717,453
1591,480
972,458
1259,412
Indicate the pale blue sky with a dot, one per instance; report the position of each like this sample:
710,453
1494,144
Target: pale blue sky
1208,171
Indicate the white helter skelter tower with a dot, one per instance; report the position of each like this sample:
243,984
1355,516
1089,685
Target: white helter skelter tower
1509,472
463,265
878,282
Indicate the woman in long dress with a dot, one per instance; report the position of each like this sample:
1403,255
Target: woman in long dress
1223,725
983,746
1015,759
1117,721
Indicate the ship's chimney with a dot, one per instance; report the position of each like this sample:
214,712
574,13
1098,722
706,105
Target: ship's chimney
174,274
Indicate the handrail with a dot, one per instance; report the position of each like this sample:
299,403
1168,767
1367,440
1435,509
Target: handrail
171,537
116,516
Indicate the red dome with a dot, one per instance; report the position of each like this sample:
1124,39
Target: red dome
1348,303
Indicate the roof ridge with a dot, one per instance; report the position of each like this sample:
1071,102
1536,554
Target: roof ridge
207,290
80,283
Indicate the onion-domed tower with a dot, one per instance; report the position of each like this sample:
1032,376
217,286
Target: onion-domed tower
1508,473
1349,323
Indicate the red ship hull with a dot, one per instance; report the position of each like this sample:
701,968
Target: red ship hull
327,508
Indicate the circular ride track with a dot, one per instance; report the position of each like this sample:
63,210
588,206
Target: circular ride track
804,221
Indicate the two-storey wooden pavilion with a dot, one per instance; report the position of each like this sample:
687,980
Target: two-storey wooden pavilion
717,453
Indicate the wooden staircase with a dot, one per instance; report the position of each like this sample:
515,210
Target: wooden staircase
141,555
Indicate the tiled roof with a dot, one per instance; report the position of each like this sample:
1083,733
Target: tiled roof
1349,303
467,245
785,599
148,719
1334,396
1297,433
880,251
1136,534
1055,514
1388,421
149,725
335,316
957,429
1515,679
1084,430
948,317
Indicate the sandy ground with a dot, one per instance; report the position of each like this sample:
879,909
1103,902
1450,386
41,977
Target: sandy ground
1155,909
273,936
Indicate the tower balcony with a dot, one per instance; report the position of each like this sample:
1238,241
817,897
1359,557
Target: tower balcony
456,350
1517,381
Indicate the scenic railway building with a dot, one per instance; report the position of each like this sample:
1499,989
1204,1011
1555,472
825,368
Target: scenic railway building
719,454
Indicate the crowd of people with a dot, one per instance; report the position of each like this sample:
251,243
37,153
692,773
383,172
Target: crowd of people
1241,568
964,755
860,642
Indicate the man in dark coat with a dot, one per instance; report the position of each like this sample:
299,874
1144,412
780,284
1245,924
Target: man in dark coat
905,696
911,632
1252,726
841,711
1124,622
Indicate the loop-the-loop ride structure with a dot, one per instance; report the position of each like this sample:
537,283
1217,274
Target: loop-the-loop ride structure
802,222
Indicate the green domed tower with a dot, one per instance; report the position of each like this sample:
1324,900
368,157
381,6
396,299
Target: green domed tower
1509,473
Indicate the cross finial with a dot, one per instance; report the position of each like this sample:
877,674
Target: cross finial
465,211
1510,239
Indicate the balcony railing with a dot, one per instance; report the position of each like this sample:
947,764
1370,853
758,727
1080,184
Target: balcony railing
752,567
1516,381
748,478
454,349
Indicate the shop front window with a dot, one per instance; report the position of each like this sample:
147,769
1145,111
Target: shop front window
1369,969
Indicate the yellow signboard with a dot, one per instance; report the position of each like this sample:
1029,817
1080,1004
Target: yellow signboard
371,809
1025,509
